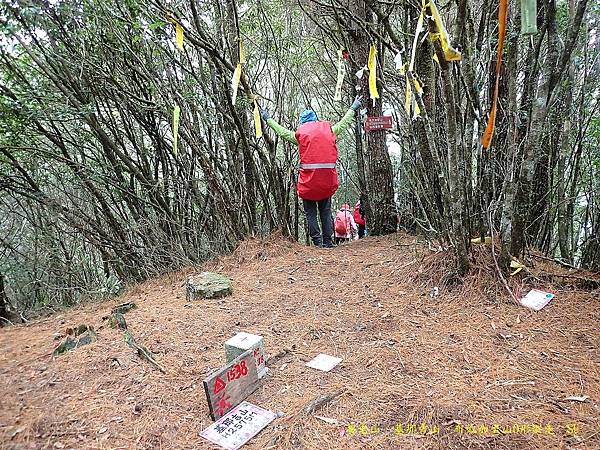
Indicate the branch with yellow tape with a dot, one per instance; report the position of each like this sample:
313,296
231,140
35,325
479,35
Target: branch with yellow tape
176,113
256,114
242,52
176,109
178,31
235,84
410,102
237,73
515,264
450,53
408,97
372,66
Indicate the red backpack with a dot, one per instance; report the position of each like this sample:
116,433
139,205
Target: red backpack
318,178
341,222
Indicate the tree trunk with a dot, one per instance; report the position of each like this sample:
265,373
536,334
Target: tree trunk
3,302
425,69
554,65
563,220
380,207
590,258
384,217
459,235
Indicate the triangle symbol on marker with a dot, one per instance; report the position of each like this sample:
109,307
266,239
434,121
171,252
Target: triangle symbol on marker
219,385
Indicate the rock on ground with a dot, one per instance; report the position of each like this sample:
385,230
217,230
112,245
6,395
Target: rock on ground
208,285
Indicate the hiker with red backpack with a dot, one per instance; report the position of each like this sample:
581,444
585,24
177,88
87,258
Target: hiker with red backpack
345,227
317,180
359,218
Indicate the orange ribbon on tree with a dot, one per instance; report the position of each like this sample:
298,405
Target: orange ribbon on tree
486,139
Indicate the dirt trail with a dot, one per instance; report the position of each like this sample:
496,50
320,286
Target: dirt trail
466,368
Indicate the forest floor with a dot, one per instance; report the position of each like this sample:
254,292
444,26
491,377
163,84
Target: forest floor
466,368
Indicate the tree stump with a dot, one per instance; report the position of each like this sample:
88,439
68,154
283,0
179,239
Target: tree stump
208,285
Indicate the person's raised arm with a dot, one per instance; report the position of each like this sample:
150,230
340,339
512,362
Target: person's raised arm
281,131
341,126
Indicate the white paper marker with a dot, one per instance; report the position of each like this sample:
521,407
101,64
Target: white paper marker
536,299
324,362
238,426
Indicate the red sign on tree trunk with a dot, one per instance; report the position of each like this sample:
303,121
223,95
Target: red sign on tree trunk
378,123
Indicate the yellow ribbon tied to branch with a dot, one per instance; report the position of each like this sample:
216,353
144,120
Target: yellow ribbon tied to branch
176,113
419,91
410,100
256,114
408,96
242,51
514,264
178,31
237,73
179,35
372,64
341,72
450,53
400,65
235,82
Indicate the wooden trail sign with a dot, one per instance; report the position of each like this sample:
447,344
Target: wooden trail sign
378,123
230,385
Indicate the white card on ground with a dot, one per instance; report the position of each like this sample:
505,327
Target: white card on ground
238,426
324,362
536,299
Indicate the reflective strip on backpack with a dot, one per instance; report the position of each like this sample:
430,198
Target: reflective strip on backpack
318,166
